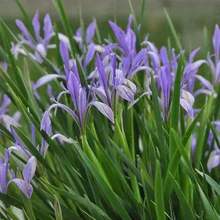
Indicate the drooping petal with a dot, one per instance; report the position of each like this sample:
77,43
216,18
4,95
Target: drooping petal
46,123
99,91
151,47
190,72
62,139
204,82
187,107
131,85
193,67
187,101
46,79
202,91
17,49
29,169
125,93
65,108
104,109
24,186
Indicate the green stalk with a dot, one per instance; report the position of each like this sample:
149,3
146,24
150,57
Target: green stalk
123,143
93,158
202,132
29,209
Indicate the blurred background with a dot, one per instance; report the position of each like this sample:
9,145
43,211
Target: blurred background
189,16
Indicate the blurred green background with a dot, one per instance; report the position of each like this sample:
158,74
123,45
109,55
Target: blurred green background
189,16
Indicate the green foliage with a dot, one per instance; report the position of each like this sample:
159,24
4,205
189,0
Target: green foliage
139,169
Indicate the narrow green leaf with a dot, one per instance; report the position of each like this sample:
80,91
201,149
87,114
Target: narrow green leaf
173,31
159,194
210,211
57,210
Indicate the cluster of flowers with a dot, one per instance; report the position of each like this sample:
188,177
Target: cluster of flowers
111,79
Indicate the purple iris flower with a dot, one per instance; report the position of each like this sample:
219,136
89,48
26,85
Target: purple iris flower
112,82
24,184
86,42
7,176
164,66
77,91
38,43
190,75
87,37
126,39
164,71
132,61
80,96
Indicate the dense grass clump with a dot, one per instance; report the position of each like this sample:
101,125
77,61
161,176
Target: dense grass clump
106,128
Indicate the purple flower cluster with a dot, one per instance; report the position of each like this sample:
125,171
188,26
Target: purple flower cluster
109,76
38,44
7,175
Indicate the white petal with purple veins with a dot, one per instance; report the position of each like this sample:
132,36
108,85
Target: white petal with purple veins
104,109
